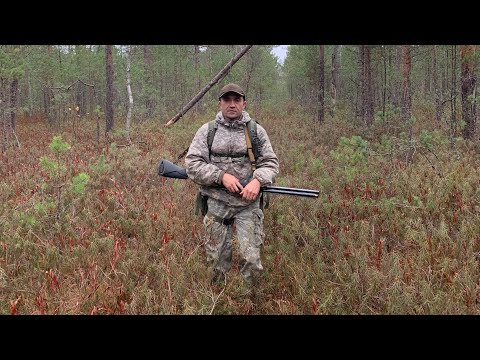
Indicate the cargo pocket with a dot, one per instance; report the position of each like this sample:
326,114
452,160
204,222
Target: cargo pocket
258,227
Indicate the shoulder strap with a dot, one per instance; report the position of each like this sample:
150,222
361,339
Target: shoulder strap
251,156
252,132
212,128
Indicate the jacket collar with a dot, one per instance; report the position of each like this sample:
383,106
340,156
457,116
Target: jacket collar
236,123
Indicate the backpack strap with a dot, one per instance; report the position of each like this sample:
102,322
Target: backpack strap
252,131
212,129
252,135
253,163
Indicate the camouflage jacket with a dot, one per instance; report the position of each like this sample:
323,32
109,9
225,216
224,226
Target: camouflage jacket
208,171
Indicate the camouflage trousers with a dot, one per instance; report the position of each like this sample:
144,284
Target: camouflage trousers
249,228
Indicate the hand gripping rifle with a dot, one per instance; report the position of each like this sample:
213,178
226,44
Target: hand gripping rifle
170,170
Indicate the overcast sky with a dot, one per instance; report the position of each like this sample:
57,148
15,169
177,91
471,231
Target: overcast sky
281,52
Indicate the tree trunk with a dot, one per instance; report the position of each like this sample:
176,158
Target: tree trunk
321,84
366,84
453,96
3,116
48,90
467,54
397,89
406,87
360,89
196,55
109,95
384,92
147,69
212,82
369,108
129,91
436,88
30,99
445,81
428,80
249,73
335,71
13,104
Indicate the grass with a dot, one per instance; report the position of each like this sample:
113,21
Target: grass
384,237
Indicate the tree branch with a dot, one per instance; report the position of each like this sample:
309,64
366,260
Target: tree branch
212,82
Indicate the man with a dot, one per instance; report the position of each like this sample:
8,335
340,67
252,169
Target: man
219,170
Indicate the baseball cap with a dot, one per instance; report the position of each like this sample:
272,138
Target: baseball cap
232,88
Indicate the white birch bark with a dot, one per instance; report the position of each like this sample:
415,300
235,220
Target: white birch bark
129,91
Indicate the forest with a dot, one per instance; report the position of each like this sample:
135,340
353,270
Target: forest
386,133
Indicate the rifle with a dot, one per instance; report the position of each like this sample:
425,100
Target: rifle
170,170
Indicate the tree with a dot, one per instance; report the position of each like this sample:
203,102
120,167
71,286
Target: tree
109,97
366,84
437,90
321,83
196,56
147,70
396,81
467,55
11,70
13,103
129,91
335,71
406,88
453,93
384,91
46,89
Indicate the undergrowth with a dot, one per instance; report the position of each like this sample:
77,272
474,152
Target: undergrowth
89,227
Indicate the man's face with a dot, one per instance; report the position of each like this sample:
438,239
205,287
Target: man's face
232,106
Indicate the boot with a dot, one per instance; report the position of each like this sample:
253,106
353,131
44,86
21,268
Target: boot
217,277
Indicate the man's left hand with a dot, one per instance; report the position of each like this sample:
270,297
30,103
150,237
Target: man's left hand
251,191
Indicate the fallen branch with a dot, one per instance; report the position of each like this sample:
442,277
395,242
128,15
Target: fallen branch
216,79
215,300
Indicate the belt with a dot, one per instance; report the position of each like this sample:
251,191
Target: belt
221,220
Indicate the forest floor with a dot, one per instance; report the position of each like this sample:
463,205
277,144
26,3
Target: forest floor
88,227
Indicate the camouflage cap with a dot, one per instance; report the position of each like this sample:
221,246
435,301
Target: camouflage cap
232,88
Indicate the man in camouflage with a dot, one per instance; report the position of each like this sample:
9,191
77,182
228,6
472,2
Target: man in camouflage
226,164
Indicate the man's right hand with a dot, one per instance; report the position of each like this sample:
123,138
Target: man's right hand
231,183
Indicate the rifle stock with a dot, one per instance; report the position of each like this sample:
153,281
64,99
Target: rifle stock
170,170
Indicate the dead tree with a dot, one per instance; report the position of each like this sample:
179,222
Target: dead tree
212,82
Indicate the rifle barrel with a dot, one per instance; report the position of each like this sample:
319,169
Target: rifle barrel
292,189
170,170
271,190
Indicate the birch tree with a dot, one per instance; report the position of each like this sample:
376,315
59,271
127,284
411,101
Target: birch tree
129,91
